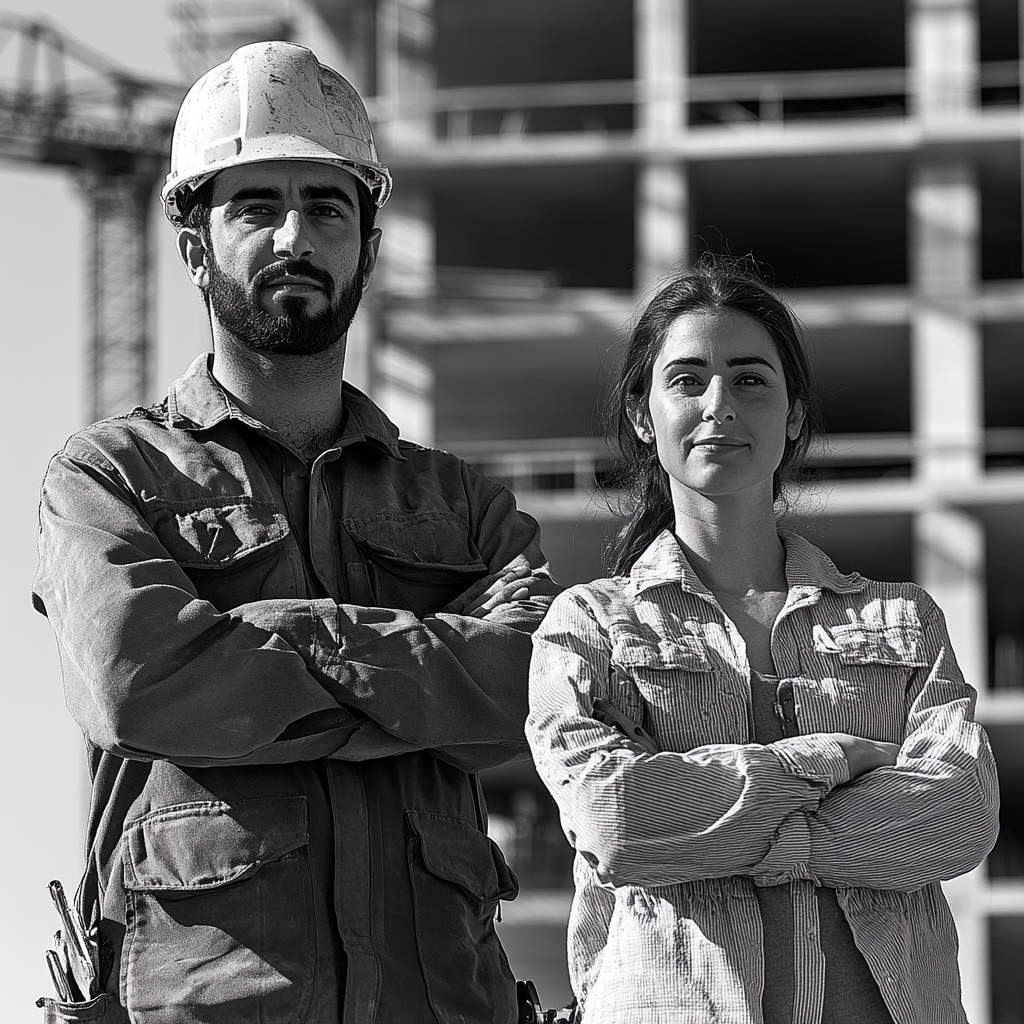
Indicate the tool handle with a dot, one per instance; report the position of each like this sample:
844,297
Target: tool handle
76,944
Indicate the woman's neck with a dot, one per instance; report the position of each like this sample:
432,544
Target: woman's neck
731,542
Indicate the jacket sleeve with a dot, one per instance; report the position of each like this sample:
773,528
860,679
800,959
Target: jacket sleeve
932,816
448,682
152,671
657,819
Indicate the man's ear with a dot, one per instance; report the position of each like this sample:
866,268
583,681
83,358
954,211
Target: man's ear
369,257
640,417
795,420
192,251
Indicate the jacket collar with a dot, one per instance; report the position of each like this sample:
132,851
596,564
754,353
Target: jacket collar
807,568
196,401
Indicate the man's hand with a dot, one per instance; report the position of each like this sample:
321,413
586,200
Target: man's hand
863,755
513,583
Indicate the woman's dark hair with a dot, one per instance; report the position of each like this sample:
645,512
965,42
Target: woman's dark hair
715,282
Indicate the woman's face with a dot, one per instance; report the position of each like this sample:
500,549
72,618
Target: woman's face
718,409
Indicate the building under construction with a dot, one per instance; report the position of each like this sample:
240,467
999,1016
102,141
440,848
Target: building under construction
553,159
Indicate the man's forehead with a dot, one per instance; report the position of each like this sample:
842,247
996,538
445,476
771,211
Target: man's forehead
281,177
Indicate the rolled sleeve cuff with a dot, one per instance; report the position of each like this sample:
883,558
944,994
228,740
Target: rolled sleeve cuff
817,757
789,855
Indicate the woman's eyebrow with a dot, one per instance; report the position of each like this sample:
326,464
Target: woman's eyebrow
736,361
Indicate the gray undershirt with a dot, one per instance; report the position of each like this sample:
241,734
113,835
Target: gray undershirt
851,993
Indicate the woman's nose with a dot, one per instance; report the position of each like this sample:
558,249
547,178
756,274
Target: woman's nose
717,408
291,239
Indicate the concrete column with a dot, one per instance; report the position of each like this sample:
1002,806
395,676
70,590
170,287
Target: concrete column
405,68
942,57
949,562
944,210
404,389
402,381
662,200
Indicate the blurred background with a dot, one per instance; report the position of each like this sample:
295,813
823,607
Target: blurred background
551,161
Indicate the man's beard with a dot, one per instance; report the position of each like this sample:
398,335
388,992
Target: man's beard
240,312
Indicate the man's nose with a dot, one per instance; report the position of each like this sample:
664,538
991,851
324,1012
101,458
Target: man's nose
291,239
717,407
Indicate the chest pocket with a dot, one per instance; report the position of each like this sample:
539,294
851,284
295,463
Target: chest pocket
855,679
674,691
418,562
232,551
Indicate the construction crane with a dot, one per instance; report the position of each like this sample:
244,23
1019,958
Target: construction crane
64,104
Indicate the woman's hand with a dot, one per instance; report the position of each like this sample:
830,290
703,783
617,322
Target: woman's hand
864,755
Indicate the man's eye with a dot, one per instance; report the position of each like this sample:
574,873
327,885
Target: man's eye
254,210
326,210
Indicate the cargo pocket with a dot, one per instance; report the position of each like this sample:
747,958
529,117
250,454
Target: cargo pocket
458,875
104,1009
219,913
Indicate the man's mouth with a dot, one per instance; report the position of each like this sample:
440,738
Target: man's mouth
289,282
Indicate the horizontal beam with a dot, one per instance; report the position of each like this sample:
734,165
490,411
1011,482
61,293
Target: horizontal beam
736,141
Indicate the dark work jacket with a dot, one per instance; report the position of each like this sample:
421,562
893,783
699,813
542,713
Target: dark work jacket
284,710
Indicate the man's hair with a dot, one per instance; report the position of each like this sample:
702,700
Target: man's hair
197,207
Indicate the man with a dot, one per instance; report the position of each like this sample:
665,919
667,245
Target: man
290,638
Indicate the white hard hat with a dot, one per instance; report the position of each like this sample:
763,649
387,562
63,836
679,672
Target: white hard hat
270,101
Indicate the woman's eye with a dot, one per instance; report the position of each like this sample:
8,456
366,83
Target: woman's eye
749,379
684,380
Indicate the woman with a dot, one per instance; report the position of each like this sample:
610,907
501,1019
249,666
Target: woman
819,770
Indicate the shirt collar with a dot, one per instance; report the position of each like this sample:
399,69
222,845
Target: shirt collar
806,567
196,401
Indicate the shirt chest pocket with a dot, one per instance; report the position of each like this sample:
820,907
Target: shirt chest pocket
418,562
855,680
676,689
233,551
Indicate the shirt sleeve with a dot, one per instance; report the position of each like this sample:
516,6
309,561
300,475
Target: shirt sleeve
657,819
932,816
152,671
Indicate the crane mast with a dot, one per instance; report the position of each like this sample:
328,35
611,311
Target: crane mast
63,104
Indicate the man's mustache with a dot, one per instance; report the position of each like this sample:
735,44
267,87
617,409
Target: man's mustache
294,268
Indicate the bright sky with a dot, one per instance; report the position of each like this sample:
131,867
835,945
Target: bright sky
42,403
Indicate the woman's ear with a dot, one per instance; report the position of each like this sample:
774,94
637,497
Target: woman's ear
192,250
795,420
641,420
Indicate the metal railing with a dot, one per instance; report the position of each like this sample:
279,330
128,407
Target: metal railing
604,106
584,464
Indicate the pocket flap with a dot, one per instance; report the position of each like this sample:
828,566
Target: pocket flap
206,844
455,851
683,652
424,547
858,644
214,536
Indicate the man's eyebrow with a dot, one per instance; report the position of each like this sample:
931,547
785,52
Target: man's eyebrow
308,192
329,192
244,194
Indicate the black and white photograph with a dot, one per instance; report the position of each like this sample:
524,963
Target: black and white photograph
517,511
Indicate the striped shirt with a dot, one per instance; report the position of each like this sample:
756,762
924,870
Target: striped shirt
665,926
